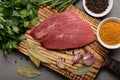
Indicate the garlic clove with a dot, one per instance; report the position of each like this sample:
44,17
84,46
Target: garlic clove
77,58
60,64
88,59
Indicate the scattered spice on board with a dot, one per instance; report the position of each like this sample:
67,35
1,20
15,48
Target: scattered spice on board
110,32
97,6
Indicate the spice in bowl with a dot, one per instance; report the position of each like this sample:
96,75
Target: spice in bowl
110,32
97,6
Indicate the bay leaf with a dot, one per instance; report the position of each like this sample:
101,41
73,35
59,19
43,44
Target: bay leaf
28,71
34,60
39,56
35,52
28,47
31,45
82,70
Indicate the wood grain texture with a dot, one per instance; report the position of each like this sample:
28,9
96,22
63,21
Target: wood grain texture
95,48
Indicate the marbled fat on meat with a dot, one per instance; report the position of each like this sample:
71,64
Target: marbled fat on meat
62,31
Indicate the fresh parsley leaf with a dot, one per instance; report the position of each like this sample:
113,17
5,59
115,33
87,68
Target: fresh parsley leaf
35,20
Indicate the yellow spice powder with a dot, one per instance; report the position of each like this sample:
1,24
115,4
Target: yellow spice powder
110,32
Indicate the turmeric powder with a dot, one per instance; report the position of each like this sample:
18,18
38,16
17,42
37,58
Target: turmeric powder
110,32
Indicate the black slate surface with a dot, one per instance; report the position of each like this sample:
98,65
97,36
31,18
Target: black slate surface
9,64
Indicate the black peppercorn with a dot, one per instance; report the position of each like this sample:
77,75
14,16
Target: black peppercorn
97,6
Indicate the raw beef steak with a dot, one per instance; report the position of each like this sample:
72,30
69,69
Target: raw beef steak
62,31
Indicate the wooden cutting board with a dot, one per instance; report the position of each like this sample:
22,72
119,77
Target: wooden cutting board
95,48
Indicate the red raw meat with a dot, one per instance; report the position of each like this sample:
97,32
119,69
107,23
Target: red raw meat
62,31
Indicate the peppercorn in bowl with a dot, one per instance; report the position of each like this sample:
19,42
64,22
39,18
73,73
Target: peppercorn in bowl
108,33
97,8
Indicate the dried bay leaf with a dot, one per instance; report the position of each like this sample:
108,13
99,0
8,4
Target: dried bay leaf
31,45
35,52
33,59
82,70
38,56
28,71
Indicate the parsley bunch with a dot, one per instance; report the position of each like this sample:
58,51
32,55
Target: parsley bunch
15,18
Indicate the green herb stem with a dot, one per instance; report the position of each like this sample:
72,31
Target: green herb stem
59,5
